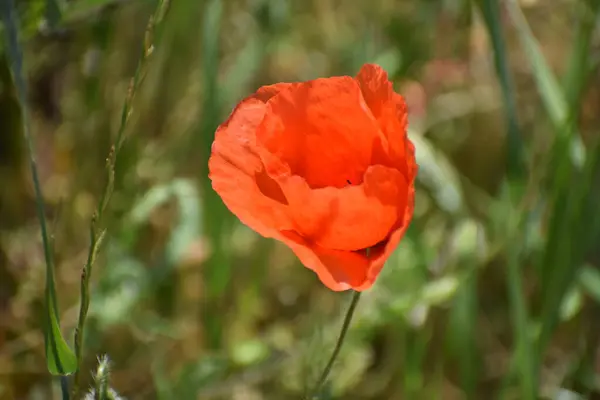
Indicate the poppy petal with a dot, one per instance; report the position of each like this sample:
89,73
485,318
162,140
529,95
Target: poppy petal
381,255
326,167
322,130
342,270
389,109
238,174
352,218
338,270
265,93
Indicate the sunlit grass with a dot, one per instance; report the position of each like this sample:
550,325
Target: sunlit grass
492,294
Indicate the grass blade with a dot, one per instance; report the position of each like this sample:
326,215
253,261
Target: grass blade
547,84
59,357
562,255
490,9
523,357
218,269
524,354
462,334
580,60
550,90
96,232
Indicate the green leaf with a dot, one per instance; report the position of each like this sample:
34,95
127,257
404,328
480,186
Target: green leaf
59,357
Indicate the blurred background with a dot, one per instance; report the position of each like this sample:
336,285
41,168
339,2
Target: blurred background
494,293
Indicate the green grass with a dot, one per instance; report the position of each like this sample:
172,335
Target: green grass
493,292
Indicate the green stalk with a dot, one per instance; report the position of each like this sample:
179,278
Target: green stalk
562,255
218,267
490,10
338,346
523,358
96,232
579,61
59,357
524,351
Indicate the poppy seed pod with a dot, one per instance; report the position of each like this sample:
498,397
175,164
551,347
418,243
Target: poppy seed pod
324,166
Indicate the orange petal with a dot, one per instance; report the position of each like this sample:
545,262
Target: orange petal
322,130
389,109
352,218
265,93
342,270
381,254
238,175
282,162
338,270
409,148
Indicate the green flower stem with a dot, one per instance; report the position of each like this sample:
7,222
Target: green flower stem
338,346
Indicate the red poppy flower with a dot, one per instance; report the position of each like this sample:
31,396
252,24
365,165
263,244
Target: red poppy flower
324,166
